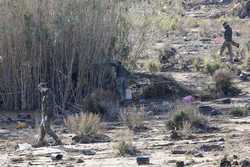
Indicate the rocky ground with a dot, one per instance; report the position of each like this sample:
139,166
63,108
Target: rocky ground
199,150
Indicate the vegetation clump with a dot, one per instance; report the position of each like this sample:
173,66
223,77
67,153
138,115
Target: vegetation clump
87,127
240,111
84,124
186,115
153,66
124,146
134,118
211,65
223,83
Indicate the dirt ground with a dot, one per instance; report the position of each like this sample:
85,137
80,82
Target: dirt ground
201,150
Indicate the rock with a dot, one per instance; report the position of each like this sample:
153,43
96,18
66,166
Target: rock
223,101
100,138
4,132
166,54
196,153
24,116
46,151
244,76
208,110
79,161
235,163
235,157
143,160
178,151
225,163
16,159
56,157
174,135
23,147
245,163
88,152
199,155
211,147
179,164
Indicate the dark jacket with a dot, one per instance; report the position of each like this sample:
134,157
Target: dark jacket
228,33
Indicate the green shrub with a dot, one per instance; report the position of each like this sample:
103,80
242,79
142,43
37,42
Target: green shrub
210,65
186,115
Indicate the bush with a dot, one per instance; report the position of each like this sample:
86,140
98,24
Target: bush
186,115
197,64
100,102
240,111
125,144
223,81
153,66
84,124
134,118
211,65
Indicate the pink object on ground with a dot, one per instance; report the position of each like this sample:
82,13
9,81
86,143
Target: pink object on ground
219,40
188,99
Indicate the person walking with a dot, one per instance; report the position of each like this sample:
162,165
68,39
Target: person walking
228,41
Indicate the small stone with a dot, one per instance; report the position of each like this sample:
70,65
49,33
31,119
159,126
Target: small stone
225,163
224,101
80,161
4,132
142,160
179,151
179,164
198,154
23,147
212,147
174,135
208,110
235,163
17,159
235,157
56,157
88,152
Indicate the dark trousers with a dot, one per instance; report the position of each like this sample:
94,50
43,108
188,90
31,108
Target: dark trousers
228,45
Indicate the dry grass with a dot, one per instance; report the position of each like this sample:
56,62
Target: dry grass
62,42
240,112
84,124
134,118
124,146
153,66
185,117
223,80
